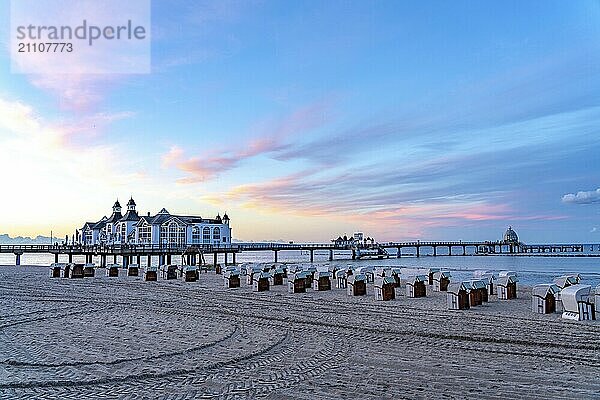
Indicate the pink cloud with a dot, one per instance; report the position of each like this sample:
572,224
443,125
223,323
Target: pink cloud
306,195
273,137
170,158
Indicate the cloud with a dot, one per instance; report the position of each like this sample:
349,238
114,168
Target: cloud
273,137
171,157
31,141
209,165
17,117
386,213
470,184
417,137
306,193
481,114
589,197
342,145
408,197
594,230
68,179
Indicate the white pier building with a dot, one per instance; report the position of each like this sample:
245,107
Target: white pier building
162,228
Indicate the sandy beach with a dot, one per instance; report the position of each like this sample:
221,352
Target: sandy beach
126,338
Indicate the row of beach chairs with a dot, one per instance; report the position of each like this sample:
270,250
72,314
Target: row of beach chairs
566,292
385,281
462,295
72,270
566,295
188,273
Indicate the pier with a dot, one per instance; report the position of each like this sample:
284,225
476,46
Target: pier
205,254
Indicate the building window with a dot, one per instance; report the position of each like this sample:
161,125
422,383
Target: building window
181,236
195,234
164,234
173,233
109,235
216,234
206,235
123,232
88,237
145,234
176,233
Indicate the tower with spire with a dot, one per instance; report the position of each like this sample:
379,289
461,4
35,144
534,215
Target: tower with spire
131,204
111,225
117,207
128,223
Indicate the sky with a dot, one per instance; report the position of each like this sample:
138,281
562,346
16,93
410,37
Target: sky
306,120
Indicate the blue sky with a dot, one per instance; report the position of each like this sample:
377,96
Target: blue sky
305,120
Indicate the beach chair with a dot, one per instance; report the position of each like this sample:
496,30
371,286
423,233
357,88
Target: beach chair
151,273
112,270
89,270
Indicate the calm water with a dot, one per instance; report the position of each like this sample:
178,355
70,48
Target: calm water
531,269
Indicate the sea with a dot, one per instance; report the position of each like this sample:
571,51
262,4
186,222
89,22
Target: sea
531,269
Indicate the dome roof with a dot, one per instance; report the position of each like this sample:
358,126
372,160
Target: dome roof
510,235
131,202
117,204
225,217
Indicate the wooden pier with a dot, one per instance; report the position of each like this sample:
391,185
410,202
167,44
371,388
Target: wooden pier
198,254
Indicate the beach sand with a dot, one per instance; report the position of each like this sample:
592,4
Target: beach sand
125,338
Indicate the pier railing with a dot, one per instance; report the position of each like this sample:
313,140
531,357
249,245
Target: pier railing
265,246
143,248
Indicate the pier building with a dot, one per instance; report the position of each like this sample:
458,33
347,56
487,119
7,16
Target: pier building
163,228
